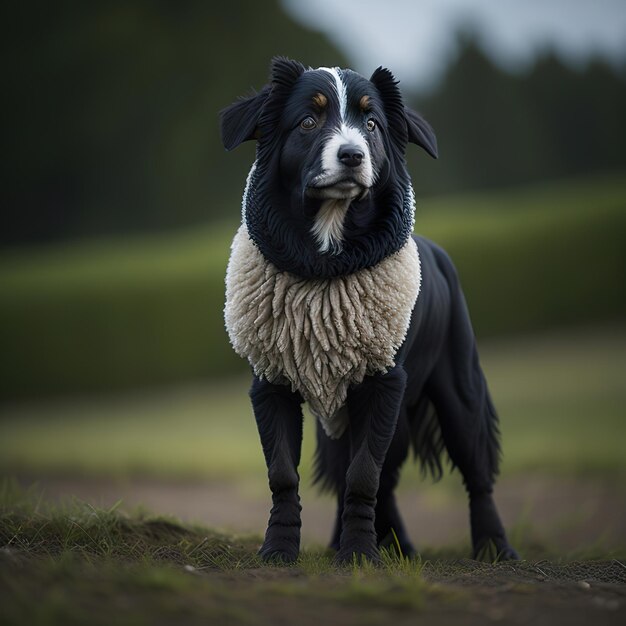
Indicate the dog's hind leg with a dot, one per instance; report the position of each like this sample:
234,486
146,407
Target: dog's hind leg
458,390
373,407
469,430
278,413
389,526
332,458
469,427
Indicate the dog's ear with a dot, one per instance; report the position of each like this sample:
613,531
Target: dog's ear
421,132
404,124
285,72
239,121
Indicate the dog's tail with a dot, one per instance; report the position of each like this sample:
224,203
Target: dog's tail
426,438
332,457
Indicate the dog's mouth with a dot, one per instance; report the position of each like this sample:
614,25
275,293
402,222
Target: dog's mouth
338,189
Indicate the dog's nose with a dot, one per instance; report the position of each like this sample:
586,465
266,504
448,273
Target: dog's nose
350,155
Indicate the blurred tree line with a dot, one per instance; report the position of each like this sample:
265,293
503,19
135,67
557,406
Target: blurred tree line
497,128
113,110
111,114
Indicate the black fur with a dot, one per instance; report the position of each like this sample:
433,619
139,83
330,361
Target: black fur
278,414
435,396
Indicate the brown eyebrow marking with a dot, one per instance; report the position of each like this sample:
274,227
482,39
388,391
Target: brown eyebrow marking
364,103
320,100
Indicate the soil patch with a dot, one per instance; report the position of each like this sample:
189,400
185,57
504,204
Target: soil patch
565,515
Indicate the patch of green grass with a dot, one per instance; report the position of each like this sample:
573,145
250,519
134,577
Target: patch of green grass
75,564
181,432
562,401
560,397
73,590
395,583
31,526
75,557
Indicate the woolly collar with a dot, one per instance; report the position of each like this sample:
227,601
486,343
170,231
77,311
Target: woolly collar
319,335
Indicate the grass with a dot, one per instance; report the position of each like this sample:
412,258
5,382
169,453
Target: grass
76,564
95,316
562,401
34,527
72,556
561,398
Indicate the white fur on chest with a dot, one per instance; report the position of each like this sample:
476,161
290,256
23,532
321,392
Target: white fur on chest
319,336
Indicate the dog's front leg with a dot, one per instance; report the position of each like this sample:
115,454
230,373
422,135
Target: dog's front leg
278,413
373,407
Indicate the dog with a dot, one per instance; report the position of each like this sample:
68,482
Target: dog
334,302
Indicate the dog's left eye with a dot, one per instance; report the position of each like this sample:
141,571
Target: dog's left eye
371,125
308,123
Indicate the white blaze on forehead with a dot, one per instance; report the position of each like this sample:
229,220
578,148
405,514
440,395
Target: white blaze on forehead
340,88
344,134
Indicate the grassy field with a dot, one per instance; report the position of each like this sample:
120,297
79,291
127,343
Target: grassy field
86,565
561,398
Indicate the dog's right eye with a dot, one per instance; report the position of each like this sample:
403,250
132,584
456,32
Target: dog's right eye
308,123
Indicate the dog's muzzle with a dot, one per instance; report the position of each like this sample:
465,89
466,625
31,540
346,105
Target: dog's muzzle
346,168
343,189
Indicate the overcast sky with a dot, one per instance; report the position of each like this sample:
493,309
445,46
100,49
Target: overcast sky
414,38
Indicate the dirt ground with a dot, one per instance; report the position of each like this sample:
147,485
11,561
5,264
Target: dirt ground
460,592
578,524
565,513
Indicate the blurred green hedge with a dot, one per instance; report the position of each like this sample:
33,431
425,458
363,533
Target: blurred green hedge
143,311
537,258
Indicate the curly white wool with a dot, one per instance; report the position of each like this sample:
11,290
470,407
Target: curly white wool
319,336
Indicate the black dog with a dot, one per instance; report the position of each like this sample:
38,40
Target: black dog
334,302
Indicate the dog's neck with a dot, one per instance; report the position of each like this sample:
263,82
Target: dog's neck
333,241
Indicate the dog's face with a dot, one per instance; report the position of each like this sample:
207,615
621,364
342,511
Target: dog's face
330,156
333,147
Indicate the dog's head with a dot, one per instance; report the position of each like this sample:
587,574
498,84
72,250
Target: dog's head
329,192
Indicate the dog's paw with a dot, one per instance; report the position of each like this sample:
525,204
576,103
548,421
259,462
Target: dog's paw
488,536
280,547
509,553
495,549
278,555
350,556
281,544
278,552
